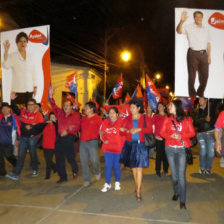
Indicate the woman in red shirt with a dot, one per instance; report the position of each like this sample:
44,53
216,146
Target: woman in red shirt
48,144
134,153
175,142
112,147
157,120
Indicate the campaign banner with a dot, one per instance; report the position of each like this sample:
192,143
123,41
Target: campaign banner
199,53
25,63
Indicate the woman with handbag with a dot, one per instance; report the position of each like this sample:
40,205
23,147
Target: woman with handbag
134,153
177,129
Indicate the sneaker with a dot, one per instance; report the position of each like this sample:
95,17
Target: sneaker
117,186
12,177
106,187
208,172
35,173
98,176
201,171
86,183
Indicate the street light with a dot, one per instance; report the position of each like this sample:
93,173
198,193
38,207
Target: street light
126,56
167,87
158,76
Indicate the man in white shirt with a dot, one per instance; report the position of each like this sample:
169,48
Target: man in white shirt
24,80
198,55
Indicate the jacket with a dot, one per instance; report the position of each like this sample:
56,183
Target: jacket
184,127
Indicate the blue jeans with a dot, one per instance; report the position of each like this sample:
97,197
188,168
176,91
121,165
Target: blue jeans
177,162
24,144
112,162
89,153
207,152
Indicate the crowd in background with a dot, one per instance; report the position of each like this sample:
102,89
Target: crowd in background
123,140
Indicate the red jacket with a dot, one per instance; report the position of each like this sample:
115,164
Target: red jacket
184,127
72,120
33,118
128,124
90,127
49,137
112,135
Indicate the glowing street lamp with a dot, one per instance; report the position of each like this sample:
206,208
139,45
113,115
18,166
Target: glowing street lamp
167,87
126,56
158,76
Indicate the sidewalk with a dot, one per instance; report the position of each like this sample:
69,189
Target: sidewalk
38,201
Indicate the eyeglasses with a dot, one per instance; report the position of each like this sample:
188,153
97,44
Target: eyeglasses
30,104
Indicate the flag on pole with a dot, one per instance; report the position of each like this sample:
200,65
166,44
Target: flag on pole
152,93
71,83
127,98
73,100
137,93
187,102
117,90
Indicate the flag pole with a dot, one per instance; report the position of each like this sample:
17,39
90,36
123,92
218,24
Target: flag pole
109,98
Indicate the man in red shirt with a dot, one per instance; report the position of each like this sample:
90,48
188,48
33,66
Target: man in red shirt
68,126
90,126
29,122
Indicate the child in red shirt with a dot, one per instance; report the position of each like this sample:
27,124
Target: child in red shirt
48,144
112,147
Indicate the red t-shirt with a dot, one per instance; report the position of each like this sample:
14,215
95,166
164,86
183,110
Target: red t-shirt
90,127
49,137
220,121
112,135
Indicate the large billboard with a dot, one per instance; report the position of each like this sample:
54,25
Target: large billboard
199,52
25,63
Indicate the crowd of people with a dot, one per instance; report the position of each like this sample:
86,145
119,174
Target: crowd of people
123,140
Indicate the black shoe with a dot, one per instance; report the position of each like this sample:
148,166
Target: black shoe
175,197
158,173
182,205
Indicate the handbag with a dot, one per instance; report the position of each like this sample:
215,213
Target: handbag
189,155
150,140
194,141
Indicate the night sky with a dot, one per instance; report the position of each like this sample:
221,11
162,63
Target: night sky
78,28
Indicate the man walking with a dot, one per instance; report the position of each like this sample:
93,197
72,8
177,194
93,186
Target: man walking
68,126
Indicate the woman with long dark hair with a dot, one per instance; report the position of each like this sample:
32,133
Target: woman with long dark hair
134,153
177,129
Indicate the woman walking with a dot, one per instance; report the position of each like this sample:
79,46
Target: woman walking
112,147
177,129
157,120
134,153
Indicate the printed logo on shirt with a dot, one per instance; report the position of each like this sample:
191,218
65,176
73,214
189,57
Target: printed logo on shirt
179,127
217,20
36,36
111,131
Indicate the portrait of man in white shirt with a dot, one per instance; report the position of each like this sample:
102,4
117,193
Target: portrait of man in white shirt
199,52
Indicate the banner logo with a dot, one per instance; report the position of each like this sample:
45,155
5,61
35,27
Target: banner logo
217,20
36,36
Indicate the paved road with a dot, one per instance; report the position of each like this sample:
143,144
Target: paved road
39,201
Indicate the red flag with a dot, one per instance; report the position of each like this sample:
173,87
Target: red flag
123,110
71,83
127,98
139,92
120,101
72,99
117,90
